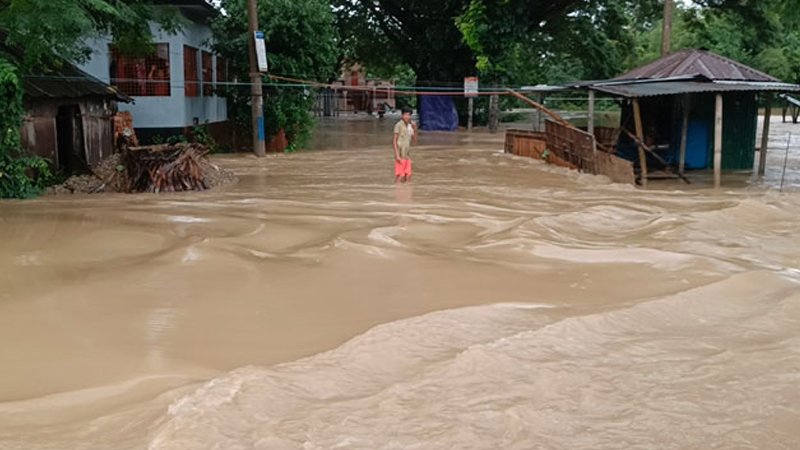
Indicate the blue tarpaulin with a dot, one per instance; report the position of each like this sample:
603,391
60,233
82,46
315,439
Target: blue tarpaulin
438,113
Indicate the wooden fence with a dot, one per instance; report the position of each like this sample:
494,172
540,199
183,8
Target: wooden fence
566,146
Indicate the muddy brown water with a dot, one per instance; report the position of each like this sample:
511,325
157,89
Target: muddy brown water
494,302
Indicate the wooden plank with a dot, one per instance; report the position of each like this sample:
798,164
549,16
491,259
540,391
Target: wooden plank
762,157
687,101
653,153
718,142
539,116
637,117
570,148
525,143
590,125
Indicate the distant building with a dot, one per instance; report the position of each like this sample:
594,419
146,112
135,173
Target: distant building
362,94
175,87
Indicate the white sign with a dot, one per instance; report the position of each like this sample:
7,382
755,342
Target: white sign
471,86
261,52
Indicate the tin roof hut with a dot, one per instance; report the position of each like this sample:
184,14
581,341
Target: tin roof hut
694,109
69,116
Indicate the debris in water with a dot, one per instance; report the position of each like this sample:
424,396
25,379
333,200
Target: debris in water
155,168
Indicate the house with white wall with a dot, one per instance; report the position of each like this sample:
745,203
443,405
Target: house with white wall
175,87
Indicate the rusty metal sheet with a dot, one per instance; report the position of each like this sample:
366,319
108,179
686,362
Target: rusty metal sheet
697,62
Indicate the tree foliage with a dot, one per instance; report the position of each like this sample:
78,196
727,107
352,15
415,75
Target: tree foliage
508,41
421,34
558,41
301,42
21,176
764,34
59,28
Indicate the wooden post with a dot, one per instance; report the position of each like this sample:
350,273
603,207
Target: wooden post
539,117
762,154
637,117
590,125
469,119
718,142
687,100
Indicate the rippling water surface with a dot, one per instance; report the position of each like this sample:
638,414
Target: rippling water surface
495,302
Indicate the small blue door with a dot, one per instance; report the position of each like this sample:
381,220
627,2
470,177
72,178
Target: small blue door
697,145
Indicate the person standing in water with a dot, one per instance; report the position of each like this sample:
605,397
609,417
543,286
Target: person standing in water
404,132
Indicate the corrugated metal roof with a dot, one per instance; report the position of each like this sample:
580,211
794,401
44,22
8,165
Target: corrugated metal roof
61,80
656,88
790,99
68,81
544,88
697,62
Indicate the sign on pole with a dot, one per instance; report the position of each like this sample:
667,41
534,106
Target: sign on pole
261,52
471,86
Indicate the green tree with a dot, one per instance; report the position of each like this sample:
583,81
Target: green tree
21,176
58,29
421,34
557,41
302,42
764,35
442,41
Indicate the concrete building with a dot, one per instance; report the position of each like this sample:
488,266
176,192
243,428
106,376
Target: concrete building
175,87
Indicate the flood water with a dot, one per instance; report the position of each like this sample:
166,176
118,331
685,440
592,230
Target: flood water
494,302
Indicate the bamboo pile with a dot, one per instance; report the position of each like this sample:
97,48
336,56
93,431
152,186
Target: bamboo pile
165,168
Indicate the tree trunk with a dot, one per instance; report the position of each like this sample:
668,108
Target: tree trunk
666,36
494,113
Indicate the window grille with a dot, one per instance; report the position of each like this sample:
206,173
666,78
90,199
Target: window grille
141,76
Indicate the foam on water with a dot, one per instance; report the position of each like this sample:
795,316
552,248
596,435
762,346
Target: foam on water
713,367
705,368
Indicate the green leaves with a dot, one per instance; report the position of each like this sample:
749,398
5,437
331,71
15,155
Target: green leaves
10,107
58,29
301,43
420,34
100,6
21,175
763,34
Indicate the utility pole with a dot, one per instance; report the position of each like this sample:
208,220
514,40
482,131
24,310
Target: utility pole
256,92
666,35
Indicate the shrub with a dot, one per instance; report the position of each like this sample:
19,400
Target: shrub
21,175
